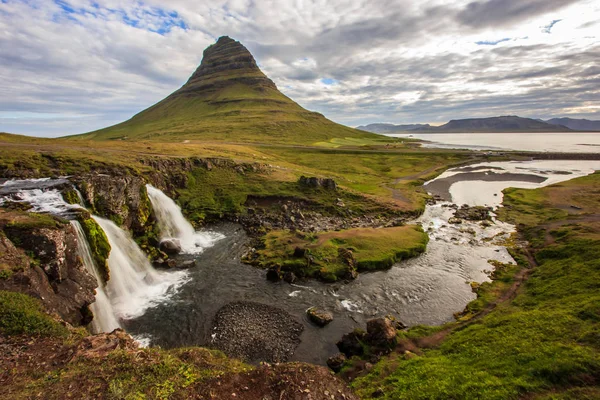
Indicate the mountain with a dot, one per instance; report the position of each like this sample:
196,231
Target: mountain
228,98
576,124
496,124
391,128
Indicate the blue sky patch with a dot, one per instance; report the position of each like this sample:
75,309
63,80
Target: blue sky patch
153,19
329,81
492,42
548,28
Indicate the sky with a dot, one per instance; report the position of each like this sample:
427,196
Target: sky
72,66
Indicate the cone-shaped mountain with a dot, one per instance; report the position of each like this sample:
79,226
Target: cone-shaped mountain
227,98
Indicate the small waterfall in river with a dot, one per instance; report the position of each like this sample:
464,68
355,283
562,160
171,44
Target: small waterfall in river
134,285
104,315
173,224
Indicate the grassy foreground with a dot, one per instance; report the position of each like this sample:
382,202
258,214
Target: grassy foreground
545,344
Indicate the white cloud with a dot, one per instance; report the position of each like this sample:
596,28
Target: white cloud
81,64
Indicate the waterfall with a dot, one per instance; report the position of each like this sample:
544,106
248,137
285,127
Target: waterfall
80,197
104,315
173,224
134,285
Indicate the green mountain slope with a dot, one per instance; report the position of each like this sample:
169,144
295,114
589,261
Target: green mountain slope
228,98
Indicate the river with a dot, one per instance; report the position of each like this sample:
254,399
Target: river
428,289
575,142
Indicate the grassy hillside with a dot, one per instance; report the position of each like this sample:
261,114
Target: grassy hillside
228,98
544,344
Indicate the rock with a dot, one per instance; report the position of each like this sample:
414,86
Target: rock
336,362
319,317
299,252
378,393
289,277
381,332
347,257
170,246
477,213
60,281
351,345
455,221
318,183
188,264
274,274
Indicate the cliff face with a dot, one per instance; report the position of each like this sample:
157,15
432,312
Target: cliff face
39,257
121,198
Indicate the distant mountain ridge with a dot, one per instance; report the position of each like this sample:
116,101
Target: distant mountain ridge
509,123
576,124
391,128
227,98
506,124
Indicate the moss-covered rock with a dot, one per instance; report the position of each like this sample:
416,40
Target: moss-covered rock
70,196
99,245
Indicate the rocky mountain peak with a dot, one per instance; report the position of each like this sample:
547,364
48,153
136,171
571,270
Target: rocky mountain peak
224,63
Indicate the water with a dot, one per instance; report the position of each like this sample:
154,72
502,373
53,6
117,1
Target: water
173,224
482,184
428,289
105,319
134,285
573,142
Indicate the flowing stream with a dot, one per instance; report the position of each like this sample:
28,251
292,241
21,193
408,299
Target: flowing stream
174,309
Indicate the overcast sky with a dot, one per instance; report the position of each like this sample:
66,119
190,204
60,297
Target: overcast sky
72,66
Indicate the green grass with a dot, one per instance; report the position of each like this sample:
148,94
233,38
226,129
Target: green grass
372,249
546,341
240,113
23,315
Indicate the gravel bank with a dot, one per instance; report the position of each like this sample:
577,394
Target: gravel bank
256,332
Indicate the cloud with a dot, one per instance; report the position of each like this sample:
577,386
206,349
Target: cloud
548,28
506,12
71,66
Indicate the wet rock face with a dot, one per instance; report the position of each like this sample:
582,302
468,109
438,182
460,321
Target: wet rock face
256,332
170,246
57,277
123,199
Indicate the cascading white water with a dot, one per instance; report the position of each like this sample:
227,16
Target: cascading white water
104,315
173,224
80,197
134,285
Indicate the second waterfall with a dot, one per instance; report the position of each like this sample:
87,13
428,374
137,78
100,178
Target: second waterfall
173,224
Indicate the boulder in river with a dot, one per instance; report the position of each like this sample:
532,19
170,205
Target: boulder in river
381,332
336,362
351,343
319,317
170,246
